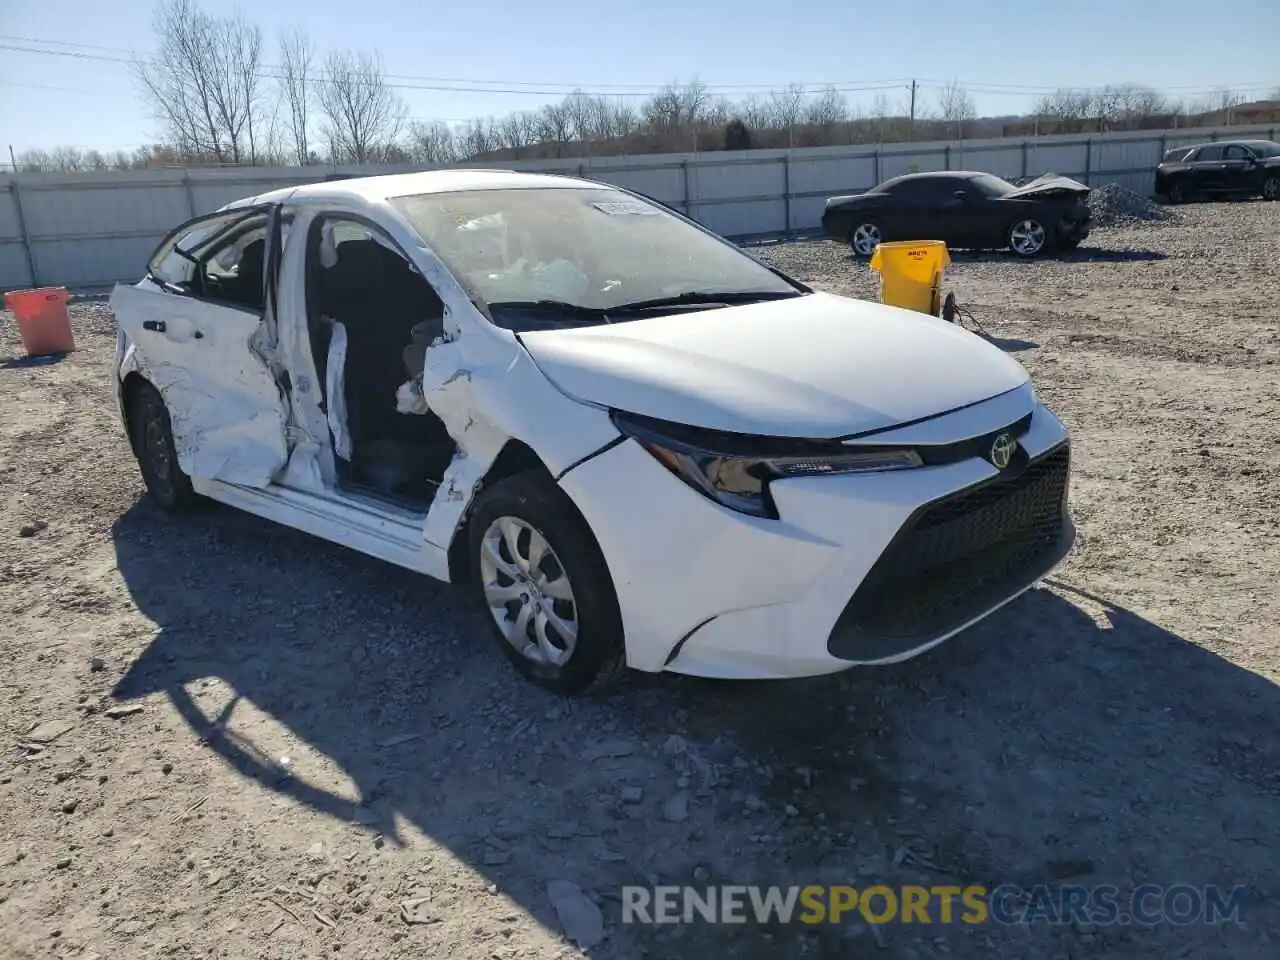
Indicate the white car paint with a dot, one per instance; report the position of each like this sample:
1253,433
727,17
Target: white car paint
815,366
239,437
768,591
702,589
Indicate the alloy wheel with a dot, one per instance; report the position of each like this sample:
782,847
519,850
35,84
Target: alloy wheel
1271,188
528,592
1027,238
866,237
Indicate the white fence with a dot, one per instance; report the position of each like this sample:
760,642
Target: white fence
91,229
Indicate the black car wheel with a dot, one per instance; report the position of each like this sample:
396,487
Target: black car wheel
539,572
864,238
1178,193
1027,238
151,434
1271,188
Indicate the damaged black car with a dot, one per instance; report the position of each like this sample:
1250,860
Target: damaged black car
965,209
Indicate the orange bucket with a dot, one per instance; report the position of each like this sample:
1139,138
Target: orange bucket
43,321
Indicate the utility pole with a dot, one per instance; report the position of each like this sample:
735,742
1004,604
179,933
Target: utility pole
13,161
911,123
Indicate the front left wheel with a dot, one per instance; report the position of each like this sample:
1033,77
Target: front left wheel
1028,238
864,238
545,585
1271,188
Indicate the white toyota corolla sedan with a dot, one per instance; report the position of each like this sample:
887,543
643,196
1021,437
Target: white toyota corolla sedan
637,444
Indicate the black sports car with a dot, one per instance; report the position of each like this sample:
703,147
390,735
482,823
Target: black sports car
1243,168
965,209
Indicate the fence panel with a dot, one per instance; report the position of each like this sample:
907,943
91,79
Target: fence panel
98,227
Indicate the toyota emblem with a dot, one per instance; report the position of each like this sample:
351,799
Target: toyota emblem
1002,451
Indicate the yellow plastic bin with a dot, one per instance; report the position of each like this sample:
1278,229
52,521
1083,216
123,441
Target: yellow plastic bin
911,273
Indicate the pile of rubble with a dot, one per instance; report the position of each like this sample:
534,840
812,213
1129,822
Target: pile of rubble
1113,205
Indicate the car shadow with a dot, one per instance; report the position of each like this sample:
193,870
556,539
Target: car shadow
1080,254
1064,736
1102,255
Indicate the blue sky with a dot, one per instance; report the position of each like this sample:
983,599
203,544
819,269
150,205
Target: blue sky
1004,53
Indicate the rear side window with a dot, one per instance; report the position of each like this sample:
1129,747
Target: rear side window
1208,153
220,258
1177,154
905,188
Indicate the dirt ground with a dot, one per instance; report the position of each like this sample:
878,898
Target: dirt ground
255,744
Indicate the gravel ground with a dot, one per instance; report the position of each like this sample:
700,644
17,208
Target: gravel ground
226,739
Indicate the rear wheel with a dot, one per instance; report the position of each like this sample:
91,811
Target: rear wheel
1028,238
545,585
864,238
1179,192
1271,188
151,434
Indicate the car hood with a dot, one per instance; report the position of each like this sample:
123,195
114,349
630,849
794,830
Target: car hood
813,366
1047,184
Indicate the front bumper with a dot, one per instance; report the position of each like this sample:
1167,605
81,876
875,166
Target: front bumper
861,569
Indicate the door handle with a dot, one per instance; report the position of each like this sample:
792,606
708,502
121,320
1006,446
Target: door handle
156,325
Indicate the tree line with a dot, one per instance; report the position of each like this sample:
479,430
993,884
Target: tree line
217,101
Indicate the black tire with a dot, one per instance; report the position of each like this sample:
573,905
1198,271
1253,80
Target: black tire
1271,188
599,653
151,434
1046,243
854,231
1179,192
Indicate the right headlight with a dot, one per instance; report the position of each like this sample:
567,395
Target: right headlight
735,470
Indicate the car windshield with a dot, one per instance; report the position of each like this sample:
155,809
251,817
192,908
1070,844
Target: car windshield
581,252
990,185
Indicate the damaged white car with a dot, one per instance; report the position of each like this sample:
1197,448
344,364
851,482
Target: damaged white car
639,445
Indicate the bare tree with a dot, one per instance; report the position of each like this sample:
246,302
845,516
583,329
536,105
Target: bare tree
363,114
786,107
204,81
514,131
578,109
479,137
554,126
664,111
296,56
33,161
1225,101
880,116
827,109
956,108
432,143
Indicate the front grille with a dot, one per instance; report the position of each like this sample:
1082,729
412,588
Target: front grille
958,557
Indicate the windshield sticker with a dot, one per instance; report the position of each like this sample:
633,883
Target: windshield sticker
620,208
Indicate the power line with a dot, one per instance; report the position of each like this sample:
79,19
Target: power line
452,88
558,86
526,87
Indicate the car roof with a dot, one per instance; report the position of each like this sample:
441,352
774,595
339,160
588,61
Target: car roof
1228,143
387,186
936,174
